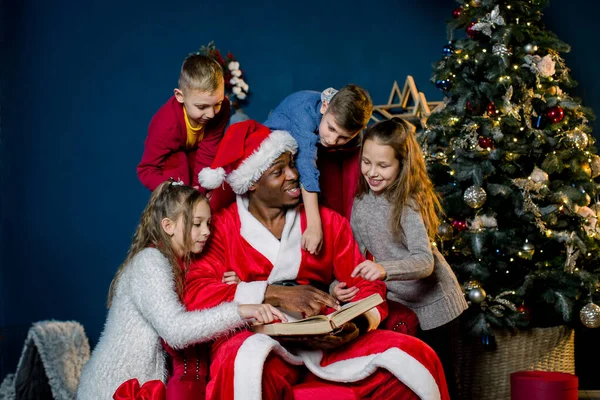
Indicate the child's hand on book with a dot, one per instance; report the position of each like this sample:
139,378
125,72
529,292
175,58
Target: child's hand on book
369,271
312,239
344,294
230,278
262,313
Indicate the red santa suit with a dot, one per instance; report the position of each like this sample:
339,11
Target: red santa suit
378,364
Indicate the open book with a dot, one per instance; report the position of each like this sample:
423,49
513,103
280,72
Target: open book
321,324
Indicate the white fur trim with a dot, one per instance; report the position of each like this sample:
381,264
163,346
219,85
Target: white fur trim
404,367
249,363
250,292
250,358
284,254
251,169
211,178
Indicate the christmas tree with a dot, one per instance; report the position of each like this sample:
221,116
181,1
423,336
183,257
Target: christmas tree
512,155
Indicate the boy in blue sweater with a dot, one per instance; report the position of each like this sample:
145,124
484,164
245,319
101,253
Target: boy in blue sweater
329,119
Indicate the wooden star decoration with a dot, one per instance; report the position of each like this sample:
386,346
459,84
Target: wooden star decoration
408,104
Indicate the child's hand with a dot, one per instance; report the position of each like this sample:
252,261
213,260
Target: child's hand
230,278
344,294
369,271
312,240
262,313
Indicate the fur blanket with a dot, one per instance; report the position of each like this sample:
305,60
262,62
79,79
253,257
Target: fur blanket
50,363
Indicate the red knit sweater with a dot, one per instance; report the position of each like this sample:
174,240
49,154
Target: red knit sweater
165,153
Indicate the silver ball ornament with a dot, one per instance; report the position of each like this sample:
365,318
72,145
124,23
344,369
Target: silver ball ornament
445,231
530,48
475,196
590,315
477,295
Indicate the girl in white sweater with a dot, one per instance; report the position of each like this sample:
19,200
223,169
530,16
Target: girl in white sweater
144,301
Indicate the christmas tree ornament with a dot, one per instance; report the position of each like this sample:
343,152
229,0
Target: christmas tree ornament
527,250
489,22
538,175
472,107
578,138
586,168
470,31
475,196
555,114
448,50
476,295
445,231
501,50
590,315
476,3
459,225
530,48
595,165
524,311
457,12
470,285
485,142
491,109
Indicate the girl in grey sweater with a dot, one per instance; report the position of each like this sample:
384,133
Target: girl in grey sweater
394,218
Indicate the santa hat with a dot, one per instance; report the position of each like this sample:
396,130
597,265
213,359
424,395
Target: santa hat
246,151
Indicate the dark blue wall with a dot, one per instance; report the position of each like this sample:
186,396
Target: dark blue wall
81,80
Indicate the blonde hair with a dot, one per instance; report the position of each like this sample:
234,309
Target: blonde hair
352,107
202,73
167,201
412,187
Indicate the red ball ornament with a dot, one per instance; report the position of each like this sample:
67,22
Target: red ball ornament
555,114
525,311
473,107
456,13
470,31
459,225
491,109
485,142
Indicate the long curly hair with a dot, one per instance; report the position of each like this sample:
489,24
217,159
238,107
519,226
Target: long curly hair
167,201
412,187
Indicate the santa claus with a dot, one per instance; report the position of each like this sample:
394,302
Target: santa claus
259,238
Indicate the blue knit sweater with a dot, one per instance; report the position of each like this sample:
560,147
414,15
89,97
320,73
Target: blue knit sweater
300,115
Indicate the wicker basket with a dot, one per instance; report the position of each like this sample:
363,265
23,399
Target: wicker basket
485,375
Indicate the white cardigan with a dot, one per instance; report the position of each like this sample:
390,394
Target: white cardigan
144,309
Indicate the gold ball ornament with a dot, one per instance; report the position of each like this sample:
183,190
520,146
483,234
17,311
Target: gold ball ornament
590,315
578,138
470,285
528,249
475,196
586,168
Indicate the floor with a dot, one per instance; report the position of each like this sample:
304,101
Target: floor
589,394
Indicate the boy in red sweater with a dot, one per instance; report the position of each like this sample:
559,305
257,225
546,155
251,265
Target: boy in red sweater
184,134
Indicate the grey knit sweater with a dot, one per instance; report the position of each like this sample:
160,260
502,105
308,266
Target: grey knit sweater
417,276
